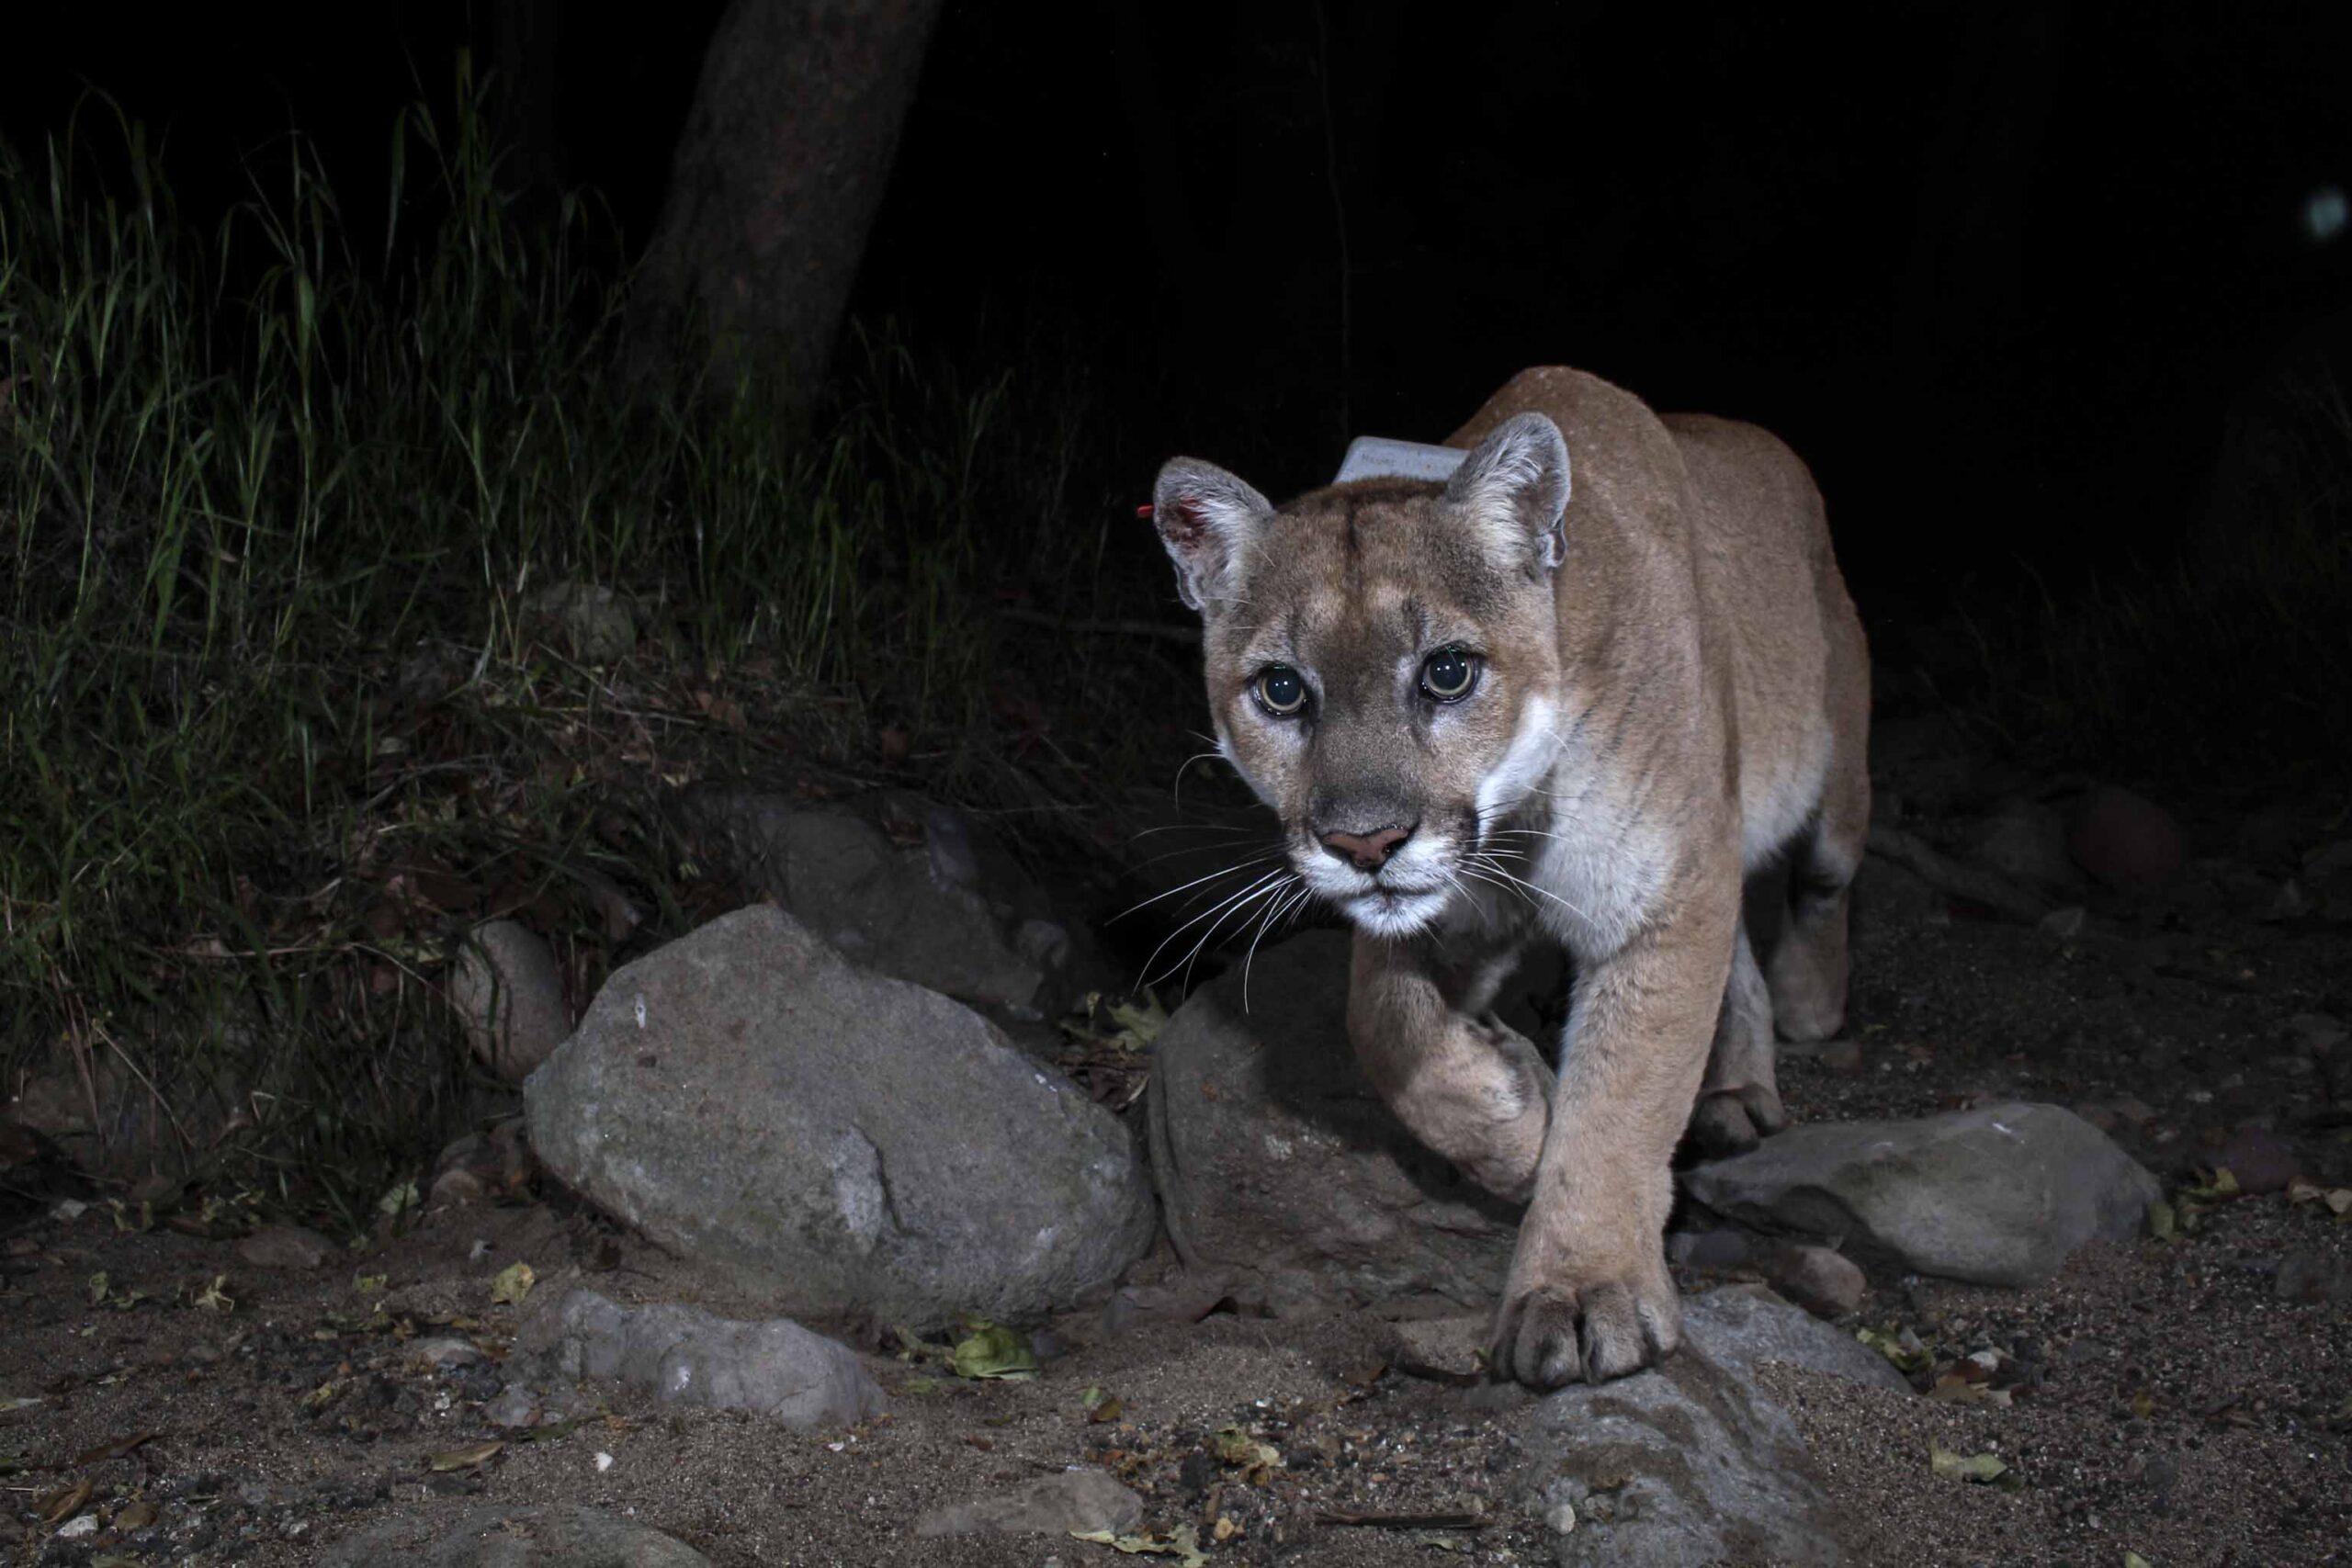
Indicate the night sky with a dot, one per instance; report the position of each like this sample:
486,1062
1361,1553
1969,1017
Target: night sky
2005,274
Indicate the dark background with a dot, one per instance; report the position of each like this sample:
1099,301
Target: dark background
2007,276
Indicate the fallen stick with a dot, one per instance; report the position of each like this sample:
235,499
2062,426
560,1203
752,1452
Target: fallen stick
1407,1521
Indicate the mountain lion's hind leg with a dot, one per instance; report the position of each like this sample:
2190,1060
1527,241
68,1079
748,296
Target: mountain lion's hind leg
1808,969
1738,1102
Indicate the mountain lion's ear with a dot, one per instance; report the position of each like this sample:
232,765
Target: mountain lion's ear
1515,485
1207,518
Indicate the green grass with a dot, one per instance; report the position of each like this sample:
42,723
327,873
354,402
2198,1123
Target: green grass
272,511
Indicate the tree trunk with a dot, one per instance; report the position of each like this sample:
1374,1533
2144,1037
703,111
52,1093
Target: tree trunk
774,187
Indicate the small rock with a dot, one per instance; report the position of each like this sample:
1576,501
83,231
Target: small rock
285,1247
480,1166
1842,1056
904,887
1998,1195
445,1351
683,1355
507,990
2126,842
1443,1349
516,1404
1826,1283
2139,1112
514,1538
2259,1159
1182,1297
1073,1501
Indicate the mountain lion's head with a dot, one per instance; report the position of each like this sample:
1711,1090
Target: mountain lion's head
1382,660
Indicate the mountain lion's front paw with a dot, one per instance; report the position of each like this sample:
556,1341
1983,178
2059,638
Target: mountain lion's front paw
1732,1121
1556,1328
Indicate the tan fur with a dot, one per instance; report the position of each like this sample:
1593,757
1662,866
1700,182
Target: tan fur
1683,696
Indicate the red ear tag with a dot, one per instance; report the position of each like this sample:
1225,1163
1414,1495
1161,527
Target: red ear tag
1144,510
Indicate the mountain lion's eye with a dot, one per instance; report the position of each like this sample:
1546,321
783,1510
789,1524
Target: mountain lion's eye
1282,691
1449,674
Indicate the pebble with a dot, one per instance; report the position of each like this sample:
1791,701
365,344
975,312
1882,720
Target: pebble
285,1247
447,1351
516,1405
1824,1281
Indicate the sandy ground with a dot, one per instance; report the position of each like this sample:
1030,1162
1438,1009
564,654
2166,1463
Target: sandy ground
2187,1400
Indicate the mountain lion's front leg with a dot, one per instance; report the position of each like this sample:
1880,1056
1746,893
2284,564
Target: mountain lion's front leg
1469,1086
1588,1294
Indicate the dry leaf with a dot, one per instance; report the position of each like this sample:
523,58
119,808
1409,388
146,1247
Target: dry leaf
62,1502
1952,1388
1987,1470
1183,1543
116,1449
512,1286
467,1458
1256,1460
137,1516
993,1350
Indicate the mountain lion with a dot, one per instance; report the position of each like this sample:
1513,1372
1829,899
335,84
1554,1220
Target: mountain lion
1573,693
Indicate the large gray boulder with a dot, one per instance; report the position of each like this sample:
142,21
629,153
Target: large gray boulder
683,1355
849,1143
1691,1461
906,887
1999,1195
1279,1166
514,1538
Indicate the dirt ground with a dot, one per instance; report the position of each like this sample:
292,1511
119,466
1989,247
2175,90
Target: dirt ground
2185,1399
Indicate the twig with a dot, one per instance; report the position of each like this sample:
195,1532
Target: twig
1459,1521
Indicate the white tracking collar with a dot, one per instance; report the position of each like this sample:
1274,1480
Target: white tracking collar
1377,457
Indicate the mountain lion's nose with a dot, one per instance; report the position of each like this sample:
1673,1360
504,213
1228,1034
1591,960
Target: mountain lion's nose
1368,851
